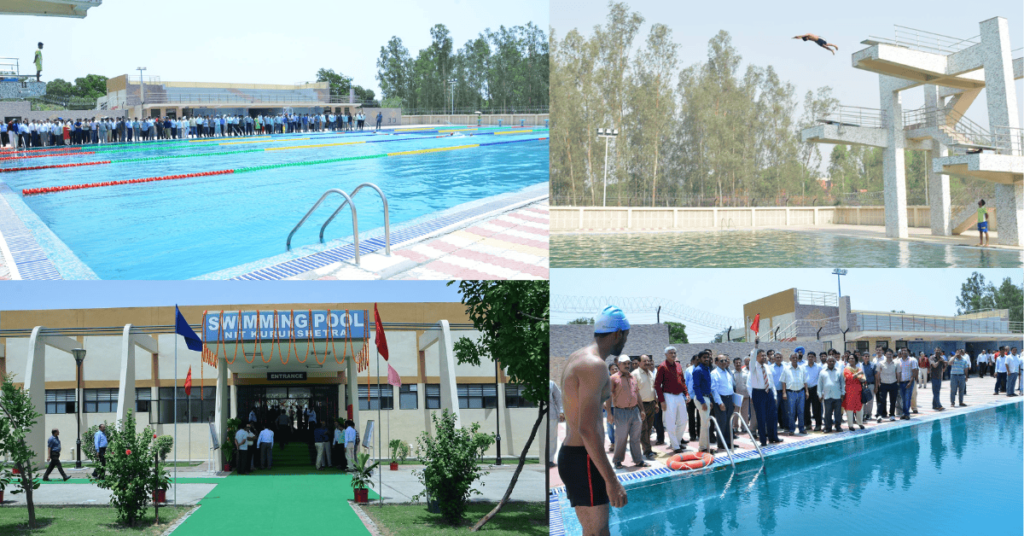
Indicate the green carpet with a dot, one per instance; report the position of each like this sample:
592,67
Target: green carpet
277,504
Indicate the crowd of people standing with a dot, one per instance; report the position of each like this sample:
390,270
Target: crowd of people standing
254,442
19,133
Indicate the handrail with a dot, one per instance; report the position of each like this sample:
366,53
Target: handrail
355,222
749,434
387,218
720,434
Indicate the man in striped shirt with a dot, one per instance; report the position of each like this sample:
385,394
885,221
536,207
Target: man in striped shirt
762,393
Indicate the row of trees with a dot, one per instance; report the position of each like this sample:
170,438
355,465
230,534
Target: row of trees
500,70
80,95
979,294
708,132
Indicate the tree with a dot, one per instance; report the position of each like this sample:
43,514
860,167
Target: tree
677,333
583,320
19,416
91,86
512,317
339,83
393,69
975,295
1010,296
449,456
131,459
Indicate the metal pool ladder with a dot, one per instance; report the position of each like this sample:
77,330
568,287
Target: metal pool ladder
355,222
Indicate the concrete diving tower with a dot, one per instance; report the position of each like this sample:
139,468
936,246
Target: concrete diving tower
951,72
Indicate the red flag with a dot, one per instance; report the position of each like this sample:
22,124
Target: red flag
381,340
756,326
188,382
393,377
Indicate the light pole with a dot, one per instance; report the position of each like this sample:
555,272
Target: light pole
607,134
839,272
451,87
79,354
497,411
142,86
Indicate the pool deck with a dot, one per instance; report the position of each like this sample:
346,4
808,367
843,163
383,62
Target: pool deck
510,245
562,517
979,395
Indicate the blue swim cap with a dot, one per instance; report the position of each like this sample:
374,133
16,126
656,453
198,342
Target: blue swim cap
610,320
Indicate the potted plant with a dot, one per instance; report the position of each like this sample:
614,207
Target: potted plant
229,453
399,451
5,480
362,478
163,481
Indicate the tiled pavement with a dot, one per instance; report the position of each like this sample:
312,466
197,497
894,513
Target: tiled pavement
979,392
512,245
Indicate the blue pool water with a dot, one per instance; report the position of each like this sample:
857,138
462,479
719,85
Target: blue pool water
180,229
956,476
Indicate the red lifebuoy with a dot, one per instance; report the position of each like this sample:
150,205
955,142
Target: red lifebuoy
690,460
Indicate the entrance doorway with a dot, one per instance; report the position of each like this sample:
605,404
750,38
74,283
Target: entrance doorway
293,442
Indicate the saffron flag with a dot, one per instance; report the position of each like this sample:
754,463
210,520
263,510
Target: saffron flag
381,340
182,328
188,382
756,326
393,378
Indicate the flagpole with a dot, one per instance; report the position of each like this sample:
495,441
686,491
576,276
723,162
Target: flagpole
380,404
176,408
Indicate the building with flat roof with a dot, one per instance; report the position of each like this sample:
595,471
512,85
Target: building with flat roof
76,9
258,357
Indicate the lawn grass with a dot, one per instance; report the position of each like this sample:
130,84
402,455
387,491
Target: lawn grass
517,518
74,521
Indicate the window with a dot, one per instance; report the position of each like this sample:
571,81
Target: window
478,396
863,346
514,397
407,397
433,396
101,400
61,401
387,393
901,345
189,409
143,396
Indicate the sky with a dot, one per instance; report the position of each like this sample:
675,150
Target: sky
254,41
30,295
724,291
763,31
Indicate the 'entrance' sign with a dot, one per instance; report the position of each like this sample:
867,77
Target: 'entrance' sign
282,325
286,376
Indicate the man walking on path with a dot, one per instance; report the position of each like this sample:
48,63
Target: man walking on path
644,377
241,440
958,369
672,396
626,412
100,444
265,445
53,453
321,439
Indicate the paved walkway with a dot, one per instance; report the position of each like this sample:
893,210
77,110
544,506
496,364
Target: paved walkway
979,392
81,492
512,245
401,485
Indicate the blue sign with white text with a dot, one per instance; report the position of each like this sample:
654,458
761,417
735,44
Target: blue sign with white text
318,325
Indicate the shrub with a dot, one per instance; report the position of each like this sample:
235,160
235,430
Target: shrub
164,444
130,470
89,441
17,417
483,442
450,459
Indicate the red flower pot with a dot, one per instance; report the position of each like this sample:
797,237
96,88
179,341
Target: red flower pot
160,496
1,496
362,496
227,467
394,466
15,471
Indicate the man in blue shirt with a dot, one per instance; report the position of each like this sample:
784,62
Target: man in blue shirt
722,390
691,406
53,456
702,397
99,442
321,438
776,372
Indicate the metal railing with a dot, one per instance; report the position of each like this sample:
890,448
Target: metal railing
387,218
933,324
355,222
854,116
508,110
814,297
9,67
1017,53
720,434
924,41
196,99
750,434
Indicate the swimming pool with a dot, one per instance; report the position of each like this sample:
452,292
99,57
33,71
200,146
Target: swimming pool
764,249
180,229
938,477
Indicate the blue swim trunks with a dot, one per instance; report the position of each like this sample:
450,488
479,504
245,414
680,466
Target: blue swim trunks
983,226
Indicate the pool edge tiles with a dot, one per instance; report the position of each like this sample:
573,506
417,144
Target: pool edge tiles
559,502
308,258
37,253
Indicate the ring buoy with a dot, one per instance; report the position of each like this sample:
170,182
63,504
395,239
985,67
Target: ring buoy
690,460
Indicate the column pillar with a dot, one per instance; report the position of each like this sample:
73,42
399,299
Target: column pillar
894,176
222,405
938,183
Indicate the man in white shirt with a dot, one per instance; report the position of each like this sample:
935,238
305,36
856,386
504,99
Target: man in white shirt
740,378
265,446
644,376
1012,370
813,406
1001,371
794,391
762,395
832,385
242,442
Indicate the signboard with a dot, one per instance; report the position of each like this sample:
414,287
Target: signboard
246,326
286,376
213,436
367,437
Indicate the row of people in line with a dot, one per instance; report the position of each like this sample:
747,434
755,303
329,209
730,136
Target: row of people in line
48,133
256,451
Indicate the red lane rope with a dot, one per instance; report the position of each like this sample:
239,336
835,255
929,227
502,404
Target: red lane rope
52,166
50,155
52,189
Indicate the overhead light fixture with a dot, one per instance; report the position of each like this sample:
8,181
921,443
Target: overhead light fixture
314,366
